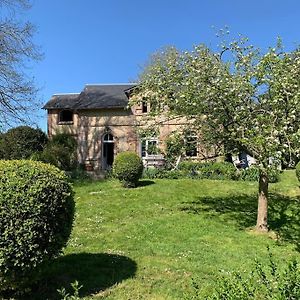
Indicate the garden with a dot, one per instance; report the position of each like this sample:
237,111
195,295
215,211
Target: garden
187,233
169,239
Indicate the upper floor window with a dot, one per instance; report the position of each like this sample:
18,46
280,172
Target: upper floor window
65,116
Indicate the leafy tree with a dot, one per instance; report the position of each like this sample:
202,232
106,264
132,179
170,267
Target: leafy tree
17,90
61,151
236,96
21,142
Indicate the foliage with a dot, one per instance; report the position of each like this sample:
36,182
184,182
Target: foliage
209,170
156,173
298,170
21,142
234,95
18,93
252,174
79,174
37,208
238,97
128,168
217,170
174,148
61,151
263,282
66,296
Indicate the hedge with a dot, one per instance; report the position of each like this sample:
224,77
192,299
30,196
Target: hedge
36,216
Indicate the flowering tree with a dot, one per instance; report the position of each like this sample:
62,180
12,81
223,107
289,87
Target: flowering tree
246,100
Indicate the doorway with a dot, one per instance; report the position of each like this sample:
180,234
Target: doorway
107,151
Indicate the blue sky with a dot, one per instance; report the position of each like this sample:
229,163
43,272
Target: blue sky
98,41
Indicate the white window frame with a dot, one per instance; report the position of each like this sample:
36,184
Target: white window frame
146,141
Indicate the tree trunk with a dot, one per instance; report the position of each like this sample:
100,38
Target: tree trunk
262,210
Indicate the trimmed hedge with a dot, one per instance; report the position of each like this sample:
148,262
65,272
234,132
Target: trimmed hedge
128,168
36,216
298,170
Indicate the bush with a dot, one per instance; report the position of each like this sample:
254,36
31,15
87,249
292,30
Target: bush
36,209
264,282
252,174
298,170
152,173
128,168
155,173
197,170
60,152
209,170
21,142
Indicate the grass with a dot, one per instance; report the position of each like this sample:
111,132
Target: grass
150,242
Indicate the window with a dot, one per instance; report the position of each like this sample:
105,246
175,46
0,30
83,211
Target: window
144,107
149,147
191,144
108,138
65,116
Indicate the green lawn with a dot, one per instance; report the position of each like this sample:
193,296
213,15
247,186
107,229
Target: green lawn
149,242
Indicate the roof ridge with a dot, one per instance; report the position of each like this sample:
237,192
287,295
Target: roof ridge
65,94
103,84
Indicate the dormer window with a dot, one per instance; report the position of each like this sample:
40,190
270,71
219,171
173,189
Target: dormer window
66,116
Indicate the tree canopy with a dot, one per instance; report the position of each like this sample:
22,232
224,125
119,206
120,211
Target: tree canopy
238,96
17,50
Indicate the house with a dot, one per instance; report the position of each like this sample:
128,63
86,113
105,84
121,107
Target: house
103,125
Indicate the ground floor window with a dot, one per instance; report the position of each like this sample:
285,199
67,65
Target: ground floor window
149,147
107,151
191,145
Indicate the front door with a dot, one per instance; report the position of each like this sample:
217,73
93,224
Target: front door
108,151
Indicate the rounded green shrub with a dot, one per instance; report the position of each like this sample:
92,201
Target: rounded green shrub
36,216
298,170
128,168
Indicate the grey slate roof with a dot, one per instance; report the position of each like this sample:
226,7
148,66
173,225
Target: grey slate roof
92,97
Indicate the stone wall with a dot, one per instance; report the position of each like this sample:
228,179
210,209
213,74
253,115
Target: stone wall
90,126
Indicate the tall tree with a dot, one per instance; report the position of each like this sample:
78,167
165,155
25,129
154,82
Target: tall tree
17,51
236,96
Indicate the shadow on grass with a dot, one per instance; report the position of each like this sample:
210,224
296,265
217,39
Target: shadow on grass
95,272
283,212
145,183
